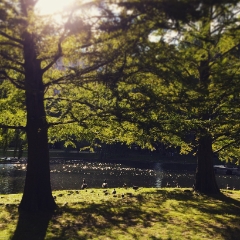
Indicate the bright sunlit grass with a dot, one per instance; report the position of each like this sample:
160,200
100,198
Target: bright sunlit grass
147,213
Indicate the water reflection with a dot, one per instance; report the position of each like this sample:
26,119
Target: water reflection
95,173
12,177
69,175
159,175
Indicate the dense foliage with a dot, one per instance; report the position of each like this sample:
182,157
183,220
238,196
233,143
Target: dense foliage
123,71
184,90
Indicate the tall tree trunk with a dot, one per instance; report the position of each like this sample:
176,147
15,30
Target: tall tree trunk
205,176
37,195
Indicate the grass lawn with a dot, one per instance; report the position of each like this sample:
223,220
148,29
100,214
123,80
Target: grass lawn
147,213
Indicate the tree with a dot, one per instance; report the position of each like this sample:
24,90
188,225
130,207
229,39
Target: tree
186,91
33,47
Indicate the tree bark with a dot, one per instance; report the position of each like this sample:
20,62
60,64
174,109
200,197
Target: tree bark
37,195
205,181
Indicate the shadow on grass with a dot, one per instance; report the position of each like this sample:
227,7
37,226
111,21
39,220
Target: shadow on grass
223,210
31,226
109,219
132,216
214,214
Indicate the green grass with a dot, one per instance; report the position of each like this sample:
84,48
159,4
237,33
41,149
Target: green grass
147,213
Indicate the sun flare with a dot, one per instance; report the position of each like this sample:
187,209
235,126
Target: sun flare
52,6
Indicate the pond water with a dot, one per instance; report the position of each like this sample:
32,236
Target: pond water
69,175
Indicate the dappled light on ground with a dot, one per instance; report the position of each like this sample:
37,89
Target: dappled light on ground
133,214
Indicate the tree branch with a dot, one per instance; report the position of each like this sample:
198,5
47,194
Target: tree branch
59,51
3,43
222,55
78,73
11,38
13,81
12,127
76,101
58,80
13,68
61,123
55,58
224,147
6,56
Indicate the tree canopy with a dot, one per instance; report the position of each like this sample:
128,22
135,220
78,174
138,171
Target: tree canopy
48,68
115,76
185,87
